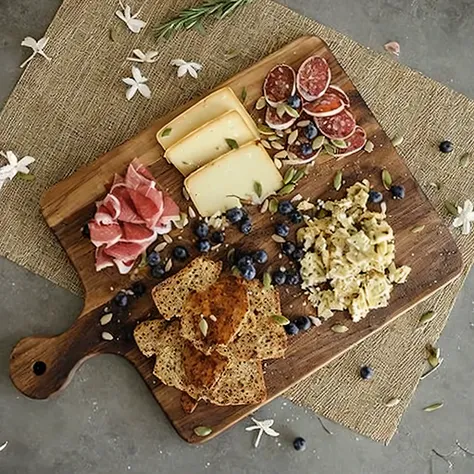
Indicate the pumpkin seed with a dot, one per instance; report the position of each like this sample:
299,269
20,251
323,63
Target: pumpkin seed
166,132
287,189
281,133
464,160
272,138
298,175
26,176
160,247
257,187
186,194
106,336
277,146
169,265
203,327
433,407
318,142
386,179
289,175
392,402
106,318
143,261
278,239
261,103
281,155
417,229
451,208
292,156
369,146
281,320
265,129
338,180
278,164
291,111
427,317
202,431
273,206
329,149
339,143
191,212
232,54
339,328
397,140
243,94
292,137
267,280
303,123
281,109
233,145
266,144
431,370
167,239
264,207
433,360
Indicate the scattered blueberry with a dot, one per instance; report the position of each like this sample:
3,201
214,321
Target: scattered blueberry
86,231
293,278
291,329
153,259
245,226
158,271
248,272
282,230
375,197
294,101
203,245
366,372
285,207
296,217
311,132
201,230
298,254
234,215
279,277
306,149
244,261
303,323
180,253
446,147
139,289
121,299
398,192
217,237
260,256
288,248
299,444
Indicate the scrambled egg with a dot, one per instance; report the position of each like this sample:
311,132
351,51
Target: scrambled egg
349,257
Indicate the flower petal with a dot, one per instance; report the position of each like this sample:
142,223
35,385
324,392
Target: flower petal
127,12
466,227
144,90
192,72
252,428
121,15
12,158
468,206
139,53
30,42
271,432
42,42
129,81
135,25
196,66
178,62
137,75
182,70
131,92
457,222
26,161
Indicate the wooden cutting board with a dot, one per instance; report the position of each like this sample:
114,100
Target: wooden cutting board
41,366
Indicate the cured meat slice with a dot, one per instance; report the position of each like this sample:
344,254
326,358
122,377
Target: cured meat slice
146,208
313,78
155,195
139,234
170,210
102,260
134,179
118,181
337,127
279,84
112,204
355,143
128,212
104,234
124,266
103,216
278,123
142,170
163,227
326,106
340,93
125,251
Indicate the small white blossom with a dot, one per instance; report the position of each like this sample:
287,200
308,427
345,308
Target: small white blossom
184,67
36,46
465,217
132,22
141,57
137,83
263,427
14,166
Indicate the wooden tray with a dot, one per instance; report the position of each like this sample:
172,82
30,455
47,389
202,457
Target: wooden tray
41,366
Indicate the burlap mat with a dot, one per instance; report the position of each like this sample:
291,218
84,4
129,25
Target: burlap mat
68,112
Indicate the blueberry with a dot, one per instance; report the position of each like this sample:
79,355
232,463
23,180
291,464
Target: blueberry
294,101
121,299
139,289
203,245
366,372
291,329
244,261
282,230
303,323
234,215
306,149
398,192
311,132
285,207
296,217
293,278
375,197
153,259
180,253
299,444
248,272
288,248
298,254
279,277
217,237
245,226
446,147
260,256
158,271
86,231
201,230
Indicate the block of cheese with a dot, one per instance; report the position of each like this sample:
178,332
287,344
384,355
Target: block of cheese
209,142
207,109
214,187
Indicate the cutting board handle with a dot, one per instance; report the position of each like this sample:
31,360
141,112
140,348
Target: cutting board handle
41,366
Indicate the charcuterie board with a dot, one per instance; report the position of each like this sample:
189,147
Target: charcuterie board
41,366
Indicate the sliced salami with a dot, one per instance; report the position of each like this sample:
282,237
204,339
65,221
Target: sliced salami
326,106
340,93
278,123
313,78
355,143
337,127
279,84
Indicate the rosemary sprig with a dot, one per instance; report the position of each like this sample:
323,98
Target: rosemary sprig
193,17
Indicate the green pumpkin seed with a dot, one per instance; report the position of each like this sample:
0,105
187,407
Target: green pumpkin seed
339,143
427,317
369,146
386,179
281,320
329,149
278,164
265,130
417,229
202,430
277,146
338,180
243,94
261,103
433,361
292,137
291,111
289,175
299,174
392,402
257,187
204,327
273,206
397,140
433,407
451,208
432,369
233,145
26,176
318,142
267,280
166,132
143,261
339,328
281,109
464,160
287,189
303,123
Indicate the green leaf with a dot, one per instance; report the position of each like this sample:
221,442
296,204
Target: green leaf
202,430
233,145
298,175
243,94
291,111
386,179
281,320
289,175
166,132
257,187
143,261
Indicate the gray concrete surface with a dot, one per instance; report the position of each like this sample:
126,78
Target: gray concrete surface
106,421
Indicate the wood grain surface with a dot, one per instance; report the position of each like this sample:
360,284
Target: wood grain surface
41,366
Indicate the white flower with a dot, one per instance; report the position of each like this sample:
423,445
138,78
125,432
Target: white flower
141,57
263,427
132,22
14,166
36,46
465,217
184,67
137,83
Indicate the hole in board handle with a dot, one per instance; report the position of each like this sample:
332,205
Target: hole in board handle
39,367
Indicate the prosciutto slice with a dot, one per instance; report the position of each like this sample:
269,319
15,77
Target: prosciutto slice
107,235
